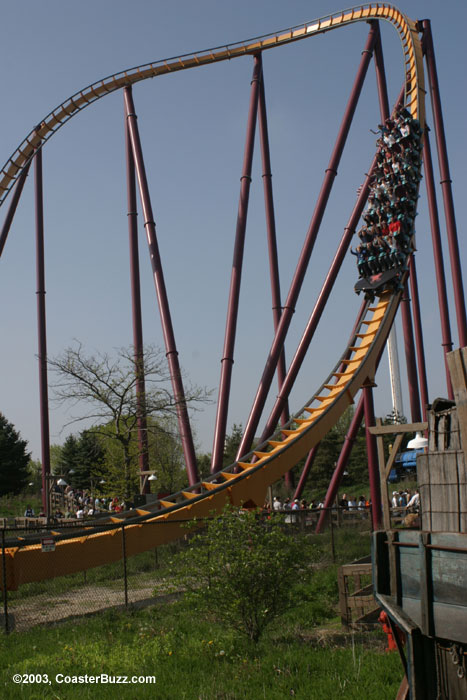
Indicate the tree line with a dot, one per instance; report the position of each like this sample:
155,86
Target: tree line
104,389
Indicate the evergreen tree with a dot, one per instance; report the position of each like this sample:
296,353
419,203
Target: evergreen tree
14,460
68,457
91,458
232,443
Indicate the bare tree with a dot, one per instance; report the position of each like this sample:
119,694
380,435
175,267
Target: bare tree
105,389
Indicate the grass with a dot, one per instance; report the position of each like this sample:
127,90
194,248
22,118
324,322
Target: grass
304,654
196,659
14,506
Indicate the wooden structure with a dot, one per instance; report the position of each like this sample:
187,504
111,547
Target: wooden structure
399,430
420,576
442,474
356,601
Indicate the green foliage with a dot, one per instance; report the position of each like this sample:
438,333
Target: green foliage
242,570
195,659
166,454
14,460
80,459
232,443
330,449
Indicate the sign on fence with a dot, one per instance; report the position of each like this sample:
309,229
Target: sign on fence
48,544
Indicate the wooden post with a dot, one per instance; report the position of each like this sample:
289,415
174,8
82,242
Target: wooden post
457,363
382,479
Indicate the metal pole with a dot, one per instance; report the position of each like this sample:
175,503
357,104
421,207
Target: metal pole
418,337
305,471
318,308
341,463
312,233
271,232
312,454
125,576
373,468
42,331
235,279
380,74
451,228
12,208
4,582
414,394
138,348
161,292
272,248
333,544
438,258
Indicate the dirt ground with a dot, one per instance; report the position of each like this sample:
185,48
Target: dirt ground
85,600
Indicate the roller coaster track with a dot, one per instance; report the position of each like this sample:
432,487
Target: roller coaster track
246,481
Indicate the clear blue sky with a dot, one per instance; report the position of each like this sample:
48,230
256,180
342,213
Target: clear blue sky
192,126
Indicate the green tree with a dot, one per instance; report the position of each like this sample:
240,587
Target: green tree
67,458
231,445
91,460
242,570
166,454
14,459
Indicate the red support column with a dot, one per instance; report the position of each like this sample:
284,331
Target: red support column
289,306
161,292
272,248
42,333
341,464
234,294
305,471
138,348
12,208
451,227
438,258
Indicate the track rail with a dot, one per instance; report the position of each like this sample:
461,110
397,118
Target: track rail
91,547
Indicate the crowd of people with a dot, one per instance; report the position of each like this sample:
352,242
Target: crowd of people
78,504
406,500
400,499
385,238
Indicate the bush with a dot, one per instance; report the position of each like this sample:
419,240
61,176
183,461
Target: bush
242,569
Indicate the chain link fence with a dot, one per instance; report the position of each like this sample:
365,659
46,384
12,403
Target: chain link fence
137,580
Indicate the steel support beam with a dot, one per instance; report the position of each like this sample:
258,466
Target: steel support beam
161,292
341,464
306,471
236,275
272,247
451,227
42,332
307,249
438,258
12,208
138,347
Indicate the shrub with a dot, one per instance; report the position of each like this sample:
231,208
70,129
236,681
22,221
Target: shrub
242,569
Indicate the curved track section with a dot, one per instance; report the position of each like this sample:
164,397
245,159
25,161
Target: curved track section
243,483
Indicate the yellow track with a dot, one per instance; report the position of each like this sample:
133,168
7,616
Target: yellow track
91,548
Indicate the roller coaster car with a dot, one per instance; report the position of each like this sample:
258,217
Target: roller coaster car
376,284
